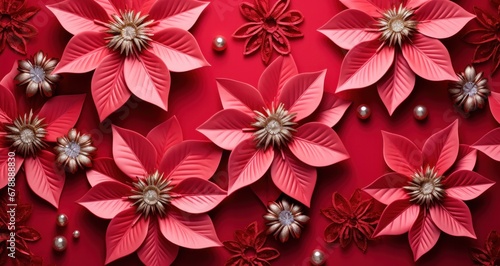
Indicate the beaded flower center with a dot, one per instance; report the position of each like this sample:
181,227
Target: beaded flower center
286,217
274,127
396,25
27,134
72,149
37,74
152,194
425,188
470,88
130,32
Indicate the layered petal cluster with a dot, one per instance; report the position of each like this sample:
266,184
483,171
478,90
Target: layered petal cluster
15,28
425,194
284,125
391,41
132,45
490,254
156,192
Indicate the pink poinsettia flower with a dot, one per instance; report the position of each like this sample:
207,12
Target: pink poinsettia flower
425,194
391,41
284,125
132,45
156,191
25,135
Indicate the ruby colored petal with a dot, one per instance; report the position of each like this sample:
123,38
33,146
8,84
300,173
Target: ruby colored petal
291,31
104,170
226,128
83,53
148,78
60,114
479,36
44,177
332,231
133,153
423,235
77,16
190,159
415,3
388,188
28,233
279,7
190,231
16,42
247,30
262,6
466,185
176,13
441,149
489,144
178,49
275,76
441,19
485,19
400,154
143,6
318,145
453,217
265,189
374,8
156,250
466,158
108,6
254,43
164,136
290,18
293,177
125,234
330,110
429,58
350,28
397,84
107,199
266,50
341,205
250,12
5,159
494,100
26,14
280,42
247,164
8,107
8,82
196,195
397,218
240,96
364,65
485,52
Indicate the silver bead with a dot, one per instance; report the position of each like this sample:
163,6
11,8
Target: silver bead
76,234
62,220
420,112
317,257
60,243
363,112
219,43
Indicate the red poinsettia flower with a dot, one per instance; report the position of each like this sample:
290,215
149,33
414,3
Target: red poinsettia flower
269,28
249,248
14,26
352,221
26,133
490,256
423,195
276,126
156,194
391,41
132,45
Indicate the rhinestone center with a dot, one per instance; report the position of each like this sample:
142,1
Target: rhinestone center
273,126
397,25
27,135
37,74
72,149
286,217
470,88
427,188
129,33
151,195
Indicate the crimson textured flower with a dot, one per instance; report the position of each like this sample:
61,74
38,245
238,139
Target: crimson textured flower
284,125
490,255
353,220
14,26
392,41
425,194
249,248
269,28
156,192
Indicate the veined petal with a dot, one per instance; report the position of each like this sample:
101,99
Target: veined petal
466,185
240,96
400,154
423,235
107,199
275,76
164,136
388,188
397,218
156,249
77,16
453,217
196,195
489,144
441,149
176,13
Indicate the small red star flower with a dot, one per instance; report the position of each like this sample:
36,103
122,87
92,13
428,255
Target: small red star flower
14,26
490,255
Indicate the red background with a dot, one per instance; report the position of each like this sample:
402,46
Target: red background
194,98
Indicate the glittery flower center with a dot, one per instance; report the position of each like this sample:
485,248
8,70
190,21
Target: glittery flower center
152,194
72,149
286,217
130,32
425,188
37,74
26,135
396,25
274,127
470,88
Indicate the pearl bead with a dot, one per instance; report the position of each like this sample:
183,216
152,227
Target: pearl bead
60,243
420,112
317,257
76,234
62,220
364,112
219,43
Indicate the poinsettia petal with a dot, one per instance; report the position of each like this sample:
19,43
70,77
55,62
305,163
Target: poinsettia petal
441,149
8,81
190,231
176,13
423,235
61,114
265,189
125,234
240,96
494,101
156,249
293,177
164,136
8,107
415,3
330,110
226,128
318,145
397,218
364,65
138,6
400,154
147,77
103,170
429,58
350,28
178,49
247,164
489,144
373,8
196,195
466,185
108,6
4,166
44,177
133,153
453,217
107,199
441,19
466,158
83,53
77,16
388,188
109,90
275,76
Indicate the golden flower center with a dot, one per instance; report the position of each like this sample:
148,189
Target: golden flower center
274,127
151,194
396,25
130,32
425,188
26,135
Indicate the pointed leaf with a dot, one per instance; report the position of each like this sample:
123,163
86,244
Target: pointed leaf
77,16
139,6
275,76
4,166
415,3
8,81
8,107
196,195
489,144
240,96
105,169
330,110
373,8
107,199
388,188
441,149
453,217
108,6
466,159
164,136
397,218
156,250
466,185
400,154
494,100
176,13
423,235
